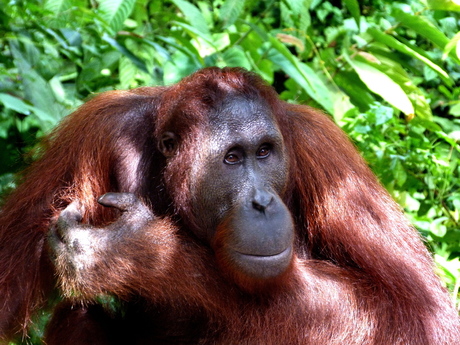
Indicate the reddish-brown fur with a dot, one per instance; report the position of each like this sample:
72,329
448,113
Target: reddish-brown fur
360,275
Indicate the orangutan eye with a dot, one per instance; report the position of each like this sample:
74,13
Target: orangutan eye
264,151
232,158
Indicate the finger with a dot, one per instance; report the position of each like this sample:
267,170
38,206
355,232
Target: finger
70,217
71,214
121,201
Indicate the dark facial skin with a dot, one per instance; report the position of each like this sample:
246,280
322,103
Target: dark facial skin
237,184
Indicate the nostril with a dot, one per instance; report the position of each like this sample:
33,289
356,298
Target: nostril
258,206
262,200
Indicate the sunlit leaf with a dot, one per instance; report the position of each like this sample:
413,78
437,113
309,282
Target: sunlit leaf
359,94
220,41
353,7
381,84
455,110
422,26
449,267
454,43
437,227
58,13
58,89
57,6
193,16
115,12
14,103
179,67
444,5
395,44
195,32
399,173
302,74
230,11
398,74
235,57
296,6
127,72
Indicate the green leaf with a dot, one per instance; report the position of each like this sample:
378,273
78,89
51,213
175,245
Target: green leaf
353,7
127,72
449,267
220,41
444,5
455,110
193,16
58,89
160,50
296,6
358,92
235,57
57,6
179,67
60,13
195,32
297,10
183,46
395,44
398,74
115,12
302,74
422,26
47,120
14,103
381,84
21,107
230,11
437,227
126,52
36,89
258,30
454,43
421,105
399,173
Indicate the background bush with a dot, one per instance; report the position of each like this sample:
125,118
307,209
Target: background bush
387,71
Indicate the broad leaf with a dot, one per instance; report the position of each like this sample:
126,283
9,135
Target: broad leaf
444,5
14,103
57,6
127,72
115,12
423,27
126,52
395,44
381,84
230,11
235,57
36,89
193,16
302,74
353,7
454,43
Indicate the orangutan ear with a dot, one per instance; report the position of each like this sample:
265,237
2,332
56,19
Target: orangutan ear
168,144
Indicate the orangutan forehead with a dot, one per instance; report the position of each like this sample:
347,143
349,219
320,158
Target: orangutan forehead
238,110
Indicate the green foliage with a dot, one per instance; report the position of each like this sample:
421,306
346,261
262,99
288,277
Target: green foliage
387,71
